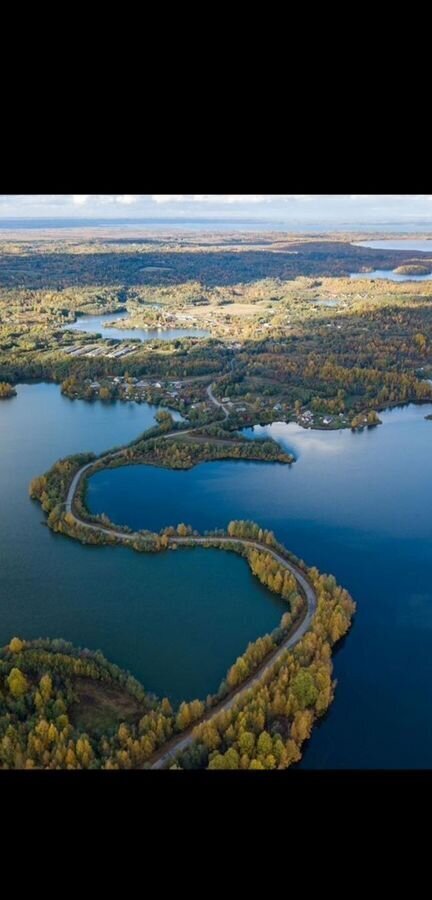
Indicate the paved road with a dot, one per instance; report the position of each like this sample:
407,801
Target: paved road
169,752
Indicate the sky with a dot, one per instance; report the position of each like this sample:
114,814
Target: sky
282,207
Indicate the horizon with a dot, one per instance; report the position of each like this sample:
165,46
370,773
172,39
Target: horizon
291,210
135,225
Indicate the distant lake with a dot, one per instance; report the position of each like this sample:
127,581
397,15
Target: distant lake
287,226
389,275
422,245
97,325
356,505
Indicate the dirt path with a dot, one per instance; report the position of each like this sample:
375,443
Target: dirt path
216,402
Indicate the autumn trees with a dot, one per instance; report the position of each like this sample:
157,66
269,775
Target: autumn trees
17,682
70,385
164,420
6,390
39,689
266,727
369,419
178,453
189,713
50,489
246,664
242,528
272,573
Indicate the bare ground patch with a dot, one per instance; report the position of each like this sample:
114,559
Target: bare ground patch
101,707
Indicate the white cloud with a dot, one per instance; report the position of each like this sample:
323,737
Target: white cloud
80,199
231,198
127,199
123,199
168,198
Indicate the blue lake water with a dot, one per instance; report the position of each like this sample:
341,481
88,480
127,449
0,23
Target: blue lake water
291,224
389,275
97,325
176,620
357,505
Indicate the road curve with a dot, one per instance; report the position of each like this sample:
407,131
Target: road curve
216,402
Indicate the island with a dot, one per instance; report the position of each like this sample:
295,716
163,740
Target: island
413,269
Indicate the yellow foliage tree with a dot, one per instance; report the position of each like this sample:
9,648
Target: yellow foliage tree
45,686
17,682
16,645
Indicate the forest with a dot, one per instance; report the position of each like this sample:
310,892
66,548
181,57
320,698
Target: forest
181,453
369,350
59,264
6,390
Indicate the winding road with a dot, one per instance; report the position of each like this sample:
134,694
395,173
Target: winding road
216,402
178,743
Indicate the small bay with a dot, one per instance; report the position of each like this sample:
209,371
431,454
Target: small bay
98,325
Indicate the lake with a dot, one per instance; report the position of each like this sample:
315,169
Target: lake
423,246
359,506
389,275
97,325
289,225
176,620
